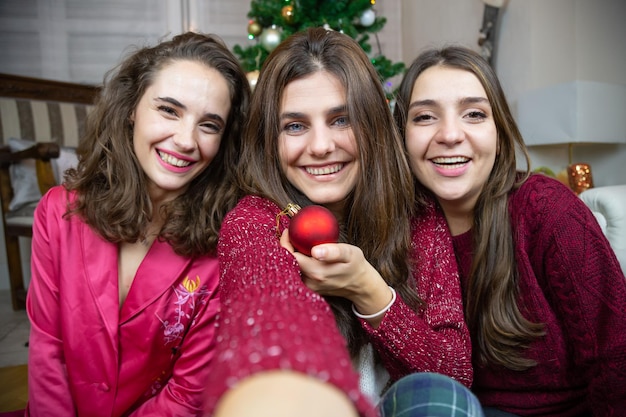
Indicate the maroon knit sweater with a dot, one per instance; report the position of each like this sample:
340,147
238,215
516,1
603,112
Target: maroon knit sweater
569,279
271,320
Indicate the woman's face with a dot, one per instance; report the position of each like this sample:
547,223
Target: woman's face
451,136
318,152
178,126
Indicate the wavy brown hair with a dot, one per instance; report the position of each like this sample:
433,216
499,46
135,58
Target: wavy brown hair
111,187
497,326
377,212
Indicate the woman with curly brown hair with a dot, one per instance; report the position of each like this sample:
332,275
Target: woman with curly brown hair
123,294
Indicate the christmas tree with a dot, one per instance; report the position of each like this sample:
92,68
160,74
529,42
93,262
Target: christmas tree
271,21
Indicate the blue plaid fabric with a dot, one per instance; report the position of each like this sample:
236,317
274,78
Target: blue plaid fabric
429,395
494,412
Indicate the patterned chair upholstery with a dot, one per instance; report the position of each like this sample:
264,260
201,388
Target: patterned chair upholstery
41,122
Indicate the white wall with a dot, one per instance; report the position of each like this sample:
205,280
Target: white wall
433,23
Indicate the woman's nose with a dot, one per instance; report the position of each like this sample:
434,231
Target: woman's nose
321,141
451,131
185,138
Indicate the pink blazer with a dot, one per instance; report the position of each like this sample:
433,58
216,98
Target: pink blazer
90,358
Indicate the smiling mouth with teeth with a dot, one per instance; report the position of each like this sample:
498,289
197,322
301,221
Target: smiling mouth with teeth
451,162
325,170
167,158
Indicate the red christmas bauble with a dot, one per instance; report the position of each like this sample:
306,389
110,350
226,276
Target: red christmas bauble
312,225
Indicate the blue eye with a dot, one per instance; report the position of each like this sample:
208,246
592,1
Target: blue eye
294,127
342,121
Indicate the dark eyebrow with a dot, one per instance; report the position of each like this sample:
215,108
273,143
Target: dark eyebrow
339,109
174,102
291,115
297,115
216,117
418,103
474,100
465,100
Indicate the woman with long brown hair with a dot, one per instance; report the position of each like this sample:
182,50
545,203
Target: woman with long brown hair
544,295
320,131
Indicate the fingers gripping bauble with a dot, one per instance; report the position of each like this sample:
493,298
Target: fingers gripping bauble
312,225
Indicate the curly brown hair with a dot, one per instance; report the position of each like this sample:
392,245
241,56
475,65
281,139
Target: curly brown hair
111,187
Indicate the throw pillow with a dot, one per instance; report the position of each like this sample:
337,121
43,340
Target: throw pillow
23,177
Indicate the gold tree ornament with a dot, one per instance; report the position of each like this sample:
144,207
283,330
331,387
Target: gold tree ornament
255,28
287,13
253,77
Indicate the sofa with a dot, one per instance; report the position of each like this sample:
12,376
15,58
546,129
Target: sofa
608,204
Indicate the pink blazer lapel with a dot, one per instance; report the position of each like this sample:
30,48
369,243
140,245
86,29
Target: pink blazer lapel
100,263
159,271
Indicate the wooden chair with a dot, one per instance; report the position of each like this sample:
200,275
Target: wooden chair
51,114
22,226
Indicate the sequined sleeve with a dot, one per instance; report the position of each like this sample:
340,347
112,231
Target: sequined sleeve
435,338
270,319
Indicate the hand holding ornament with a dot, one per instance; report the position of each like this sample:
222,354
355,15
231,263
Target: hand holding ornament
334,269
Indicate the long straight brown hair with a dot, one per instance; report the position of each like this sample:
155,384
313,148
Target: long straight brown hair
497,326
377,212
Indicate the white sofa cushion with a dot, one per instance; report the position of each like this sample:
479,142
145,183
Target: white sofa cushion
608,204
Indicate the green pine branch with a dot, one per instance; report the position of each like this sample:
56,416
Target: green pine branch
340,15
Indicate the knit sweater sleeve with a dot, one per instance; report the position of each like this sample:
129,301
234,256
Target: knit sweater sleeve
581,275
270,320
435,338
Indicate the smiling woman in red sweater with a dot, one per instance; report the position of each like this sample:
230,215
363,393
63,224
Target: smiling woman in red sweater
544,295
388,291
